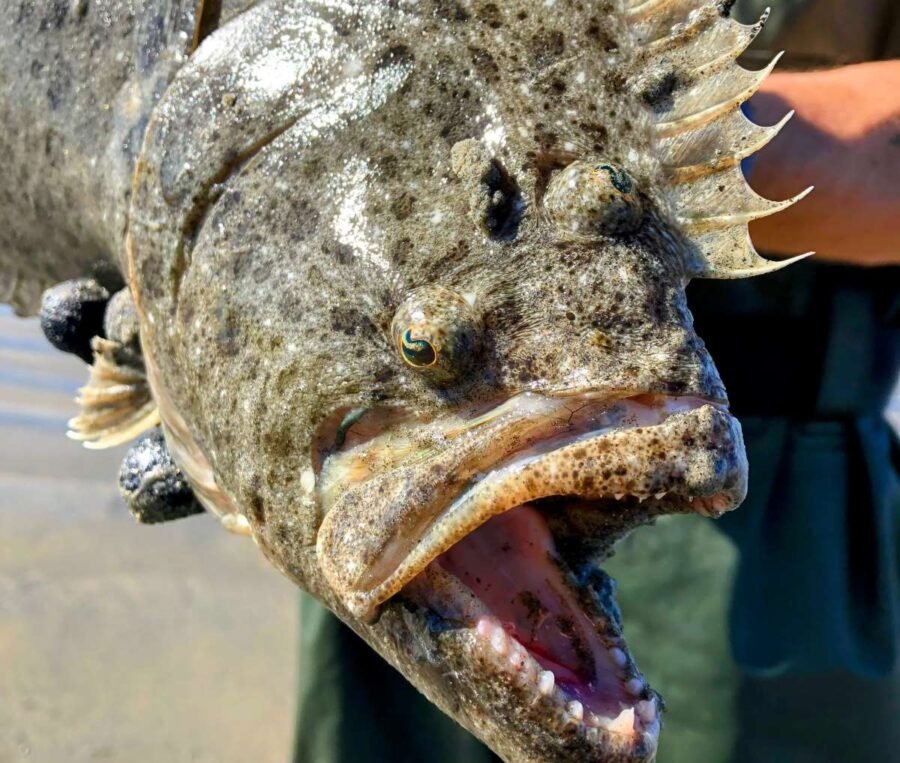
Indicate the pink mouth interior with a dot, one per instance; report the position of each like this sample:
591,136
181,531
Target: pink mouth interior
508,563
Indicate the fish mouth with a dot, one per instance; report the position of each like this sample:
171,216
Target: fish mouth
496,547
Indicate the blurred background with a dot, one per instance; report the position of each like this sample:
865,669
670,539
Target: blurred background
119,642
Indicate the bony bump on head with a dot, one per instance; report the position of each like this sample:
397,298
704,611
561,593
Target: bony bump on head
593,198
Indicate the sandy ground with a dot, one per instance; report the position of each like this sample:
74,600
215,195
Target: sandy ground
120,642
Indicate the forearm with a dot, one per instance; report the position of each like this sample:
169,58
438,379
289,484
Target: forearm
845,140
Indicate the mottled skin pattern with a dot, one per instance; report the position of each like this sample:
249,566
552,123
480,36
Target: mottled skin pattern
315,166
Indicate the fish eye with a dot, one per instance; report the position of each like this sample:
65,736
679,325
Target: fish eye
419,353
438,333
594,198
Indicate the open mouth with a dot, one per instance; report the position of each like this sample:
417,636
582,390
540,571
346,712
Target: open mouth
493,529
552,634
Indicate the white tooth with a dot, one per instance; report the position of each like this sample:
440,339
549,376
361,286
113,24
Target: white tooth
593,735
618,657
546,682
619,496
660,496
499,641
484,628
576,710
528,672
603,722
690,499
624,722
516,656
646,710
634,686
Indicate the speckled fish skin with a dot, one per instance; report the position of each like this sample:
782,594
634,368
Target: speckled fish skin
314,170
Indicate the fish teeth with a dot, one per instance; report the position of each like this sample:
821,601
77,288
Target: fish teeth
546,682
484,628
500,641
634,686
623,723
618,656
517,655
660,496
647,710
576,710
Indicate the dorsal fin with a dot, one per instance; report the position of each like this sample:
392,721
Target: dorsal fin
694,88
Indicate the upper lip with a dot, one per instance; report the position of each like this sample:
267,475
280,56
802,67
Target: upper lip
626,455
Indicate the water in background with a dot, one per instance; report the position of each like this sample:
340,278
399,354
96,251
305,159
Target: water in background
120,642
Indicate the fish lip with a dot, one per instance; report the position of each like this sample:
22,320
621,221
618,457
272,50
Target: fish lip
707,420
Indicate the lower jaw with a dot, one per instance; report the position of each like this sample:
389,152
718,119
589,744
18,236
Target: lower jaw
536,628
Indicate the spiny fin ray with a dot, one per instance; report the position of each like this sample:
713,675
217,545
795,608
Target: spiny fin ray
709,43
717,146
722,200
730,253
708,98
686,73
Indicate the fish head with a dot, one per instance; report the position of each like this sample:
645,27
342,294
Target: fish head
413,306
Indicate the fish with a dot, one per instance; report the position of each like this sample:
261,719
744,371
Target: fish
405,292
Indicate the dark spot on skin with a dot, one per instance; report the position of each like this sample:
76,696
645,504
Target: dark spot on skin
399,54
451,11
547,47
388,165
400,250
490,15
55,16
341,252
485,64
725,7
659,95
596,32
351,322
258,508
402,206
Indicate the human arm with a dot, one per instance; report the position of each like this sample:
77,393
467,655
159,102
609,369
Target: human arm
845,140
